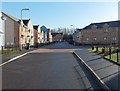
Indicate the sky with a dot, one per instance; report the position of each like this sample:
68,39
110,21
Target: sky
63,14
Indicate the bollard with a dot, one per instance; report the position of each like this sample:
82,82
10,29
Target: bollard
103,50
2,49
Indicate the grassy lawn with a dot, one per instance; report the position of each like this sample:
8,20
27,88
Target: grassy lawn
113,57
99,50
9,51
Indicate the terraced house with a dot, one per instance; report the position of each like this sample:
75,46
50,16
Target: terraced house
101,33
49,35
28,32
44,30
57,37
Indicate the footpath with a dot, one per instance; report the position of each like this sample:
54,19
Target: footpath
107,71
8,56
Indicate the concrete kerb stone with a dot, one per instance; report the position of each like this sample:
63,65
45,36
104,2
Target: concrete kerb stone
98,79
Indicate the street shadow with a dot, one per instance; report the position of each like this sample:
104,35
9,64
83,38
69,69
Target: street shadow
114,81
104,67
98,63
83,73
94,59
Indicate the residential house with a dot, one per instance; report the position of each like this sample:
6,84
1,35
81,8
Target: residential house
35,34
39,34
101,33
49,36
44,30
29,31
12,26
77,36
58,37
2,21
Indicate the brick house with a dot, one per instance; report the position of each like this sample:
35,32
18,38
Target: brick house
77,36
29,31
12,26
57,37
35,34
100,33
44,34
39,34
49,35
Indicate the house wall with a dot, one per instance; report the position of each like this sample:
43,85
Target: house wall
9,31
35,36
100,36
59,37
16,35
24,35
50,37
2,31
45,37
31,33
41,37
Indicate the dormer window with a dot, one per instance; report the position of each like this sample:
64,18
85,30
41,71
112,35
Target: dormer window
94,27
106,30
87,39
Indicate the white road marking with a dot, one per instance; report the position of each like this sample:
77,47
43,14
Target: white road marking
14,59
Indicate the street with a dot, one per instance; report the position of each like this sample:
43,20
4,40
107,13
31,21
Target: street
50,67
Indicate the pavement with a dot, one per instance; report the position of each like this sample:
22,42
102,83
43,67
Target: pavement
8,56
50,67
107,71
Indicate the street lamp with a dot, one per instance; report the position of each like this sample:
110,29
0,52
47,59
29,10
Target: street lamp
21,27
73,28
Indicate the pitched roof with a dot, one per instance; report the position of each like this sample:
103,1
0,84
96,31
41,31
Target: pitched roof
35,27
54,34
100,25
43,28
11,17
26,21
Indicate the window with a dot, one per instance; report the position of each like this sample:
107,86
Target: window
29,40
105,38
106,30
29,30
114,38
95,38
87,39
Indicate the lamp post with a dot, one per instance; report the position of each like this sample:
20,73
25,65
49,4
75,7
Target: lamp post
73,28
21,27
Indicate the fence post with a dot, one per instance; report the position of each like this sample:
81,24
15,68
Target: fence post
97,49
92,47
110,52
2,49
117,56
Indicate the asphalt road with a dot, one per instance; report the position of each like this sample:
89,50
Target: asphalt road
50,67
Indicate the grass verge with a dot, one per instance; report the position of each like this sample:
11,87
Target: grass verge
113,56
